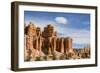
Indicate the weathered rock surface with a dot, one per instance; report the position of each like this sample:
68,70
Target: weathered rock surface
46,45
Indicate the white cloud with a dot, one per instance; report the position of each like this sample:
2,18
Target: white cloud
61,20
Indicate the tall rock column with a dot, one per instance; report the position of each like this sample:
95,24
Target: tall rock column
29,47
36,43
68,45
50,46
62,45
31,33
27,42
54,44
40,40
58,44
25,50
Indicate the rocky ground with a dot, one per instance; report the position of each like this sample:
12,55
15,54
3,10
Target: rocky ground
77,54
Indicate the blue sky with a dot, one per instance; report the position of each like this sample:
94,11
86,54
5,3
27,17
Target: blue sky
74,25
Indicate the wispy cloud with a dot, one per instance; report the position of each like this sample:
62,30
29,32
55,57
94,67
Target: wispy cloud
86,22
78,36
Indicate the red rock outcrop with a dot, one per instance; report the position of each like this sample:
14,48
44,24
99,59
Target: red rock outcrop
40,43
